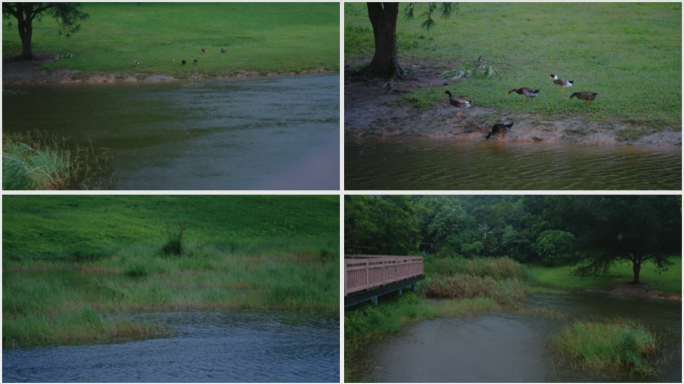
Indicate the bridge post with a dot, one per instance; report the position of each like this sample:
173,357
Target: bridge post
375,301
413,286
400,289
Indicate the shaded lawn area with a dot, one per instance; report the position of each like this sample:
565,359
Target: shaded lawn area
668,281
261,37
627,52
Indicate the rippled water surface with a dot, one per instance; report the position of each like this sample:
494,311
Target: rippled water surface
211,346
513,347
228,134
424,164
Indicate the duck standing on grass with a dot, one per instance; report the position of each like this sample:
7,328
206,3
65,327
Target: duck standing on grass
561,82
528,92
499,128
184,62
203,51
458,103
196,61
224,50
585,95
136,62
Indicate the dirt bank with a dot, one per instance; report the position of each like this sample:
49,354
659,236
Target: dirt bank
25,72
371,109
626,288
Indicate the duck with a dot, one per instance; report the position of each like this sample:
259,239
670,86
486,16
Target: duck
183,62
196,61
224,50
528,92
499,128
561,82
136,62
458,103
585,95
203,51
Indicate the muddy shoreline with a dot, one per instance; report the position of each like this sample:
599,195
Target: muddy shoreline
637,290
371,109
24,73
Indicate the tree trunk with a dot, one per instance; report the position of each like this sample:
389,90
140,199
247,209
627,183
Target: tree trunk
383,18
25,25
636,268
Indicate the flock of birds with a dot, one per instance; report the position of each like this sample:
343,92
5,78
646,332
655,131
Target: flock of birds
500,128
204,51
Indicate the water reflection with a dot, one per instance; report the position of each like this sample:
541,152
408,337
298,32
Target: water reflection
210,346
230,134
423,164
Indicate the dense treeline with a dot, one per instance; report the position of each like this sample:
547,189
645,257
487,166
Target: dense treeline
592,232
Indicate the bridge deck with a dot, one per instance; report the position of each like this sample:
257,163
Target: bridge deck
366,272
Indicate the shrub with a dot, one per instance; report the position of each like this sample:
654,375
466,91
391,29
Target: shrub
174,242
507,292
552,245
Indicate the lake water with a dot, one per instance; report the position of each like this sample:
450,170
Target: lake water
208,346
212,135
513,347
425,164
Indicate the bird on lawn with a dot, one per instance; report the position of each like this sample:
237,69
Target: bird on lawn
458,102
528,92
204,51
561,82
499,128
183,62
224,50
136,62
585,95
196,61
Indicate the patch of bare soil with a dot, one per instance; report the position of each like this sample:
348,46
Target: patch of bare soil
626,288
30,72
371,109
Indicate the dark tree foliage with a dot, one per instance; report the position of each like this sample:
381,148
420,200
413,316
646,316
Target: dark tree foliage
383,18
613,229
380,225
67,14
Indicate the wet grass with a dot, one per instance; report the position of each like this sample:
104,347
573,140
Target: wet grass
265,37
42,161
630,53
509,292
614,347
497,268
668,281
248,262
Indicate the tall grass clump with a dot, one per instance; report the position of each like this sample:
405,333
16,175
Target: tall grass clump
608,346
42,161
459,286
174,239
498,268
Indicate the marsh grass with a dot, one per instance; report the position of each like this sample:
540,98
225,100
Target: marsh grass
496,268
630,53
42,161
509,292
614,346
259,37
266,255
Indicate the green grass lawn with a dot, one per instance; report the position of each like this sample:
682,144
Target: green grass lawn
261,37
72,226
68,261
668,281
630,53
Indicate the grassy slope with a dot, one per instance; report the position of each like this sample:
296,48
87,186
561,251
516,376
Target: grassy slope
68,226
627,52
259,37
669,281
265,252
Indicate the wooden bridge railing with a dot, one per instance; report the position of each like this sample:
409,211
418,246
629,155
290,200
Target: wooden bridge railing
368,271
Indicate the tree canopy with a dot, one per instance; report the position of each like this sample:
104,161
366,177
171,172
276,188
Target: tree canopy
67,15
593,233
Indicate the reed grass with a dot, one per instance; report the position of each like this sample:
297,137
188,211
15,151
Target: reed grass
615,346
509,292
497,268
42,161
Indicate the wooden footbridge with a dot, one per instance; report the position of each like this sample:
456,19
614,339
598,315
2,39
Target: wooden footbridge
367,277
